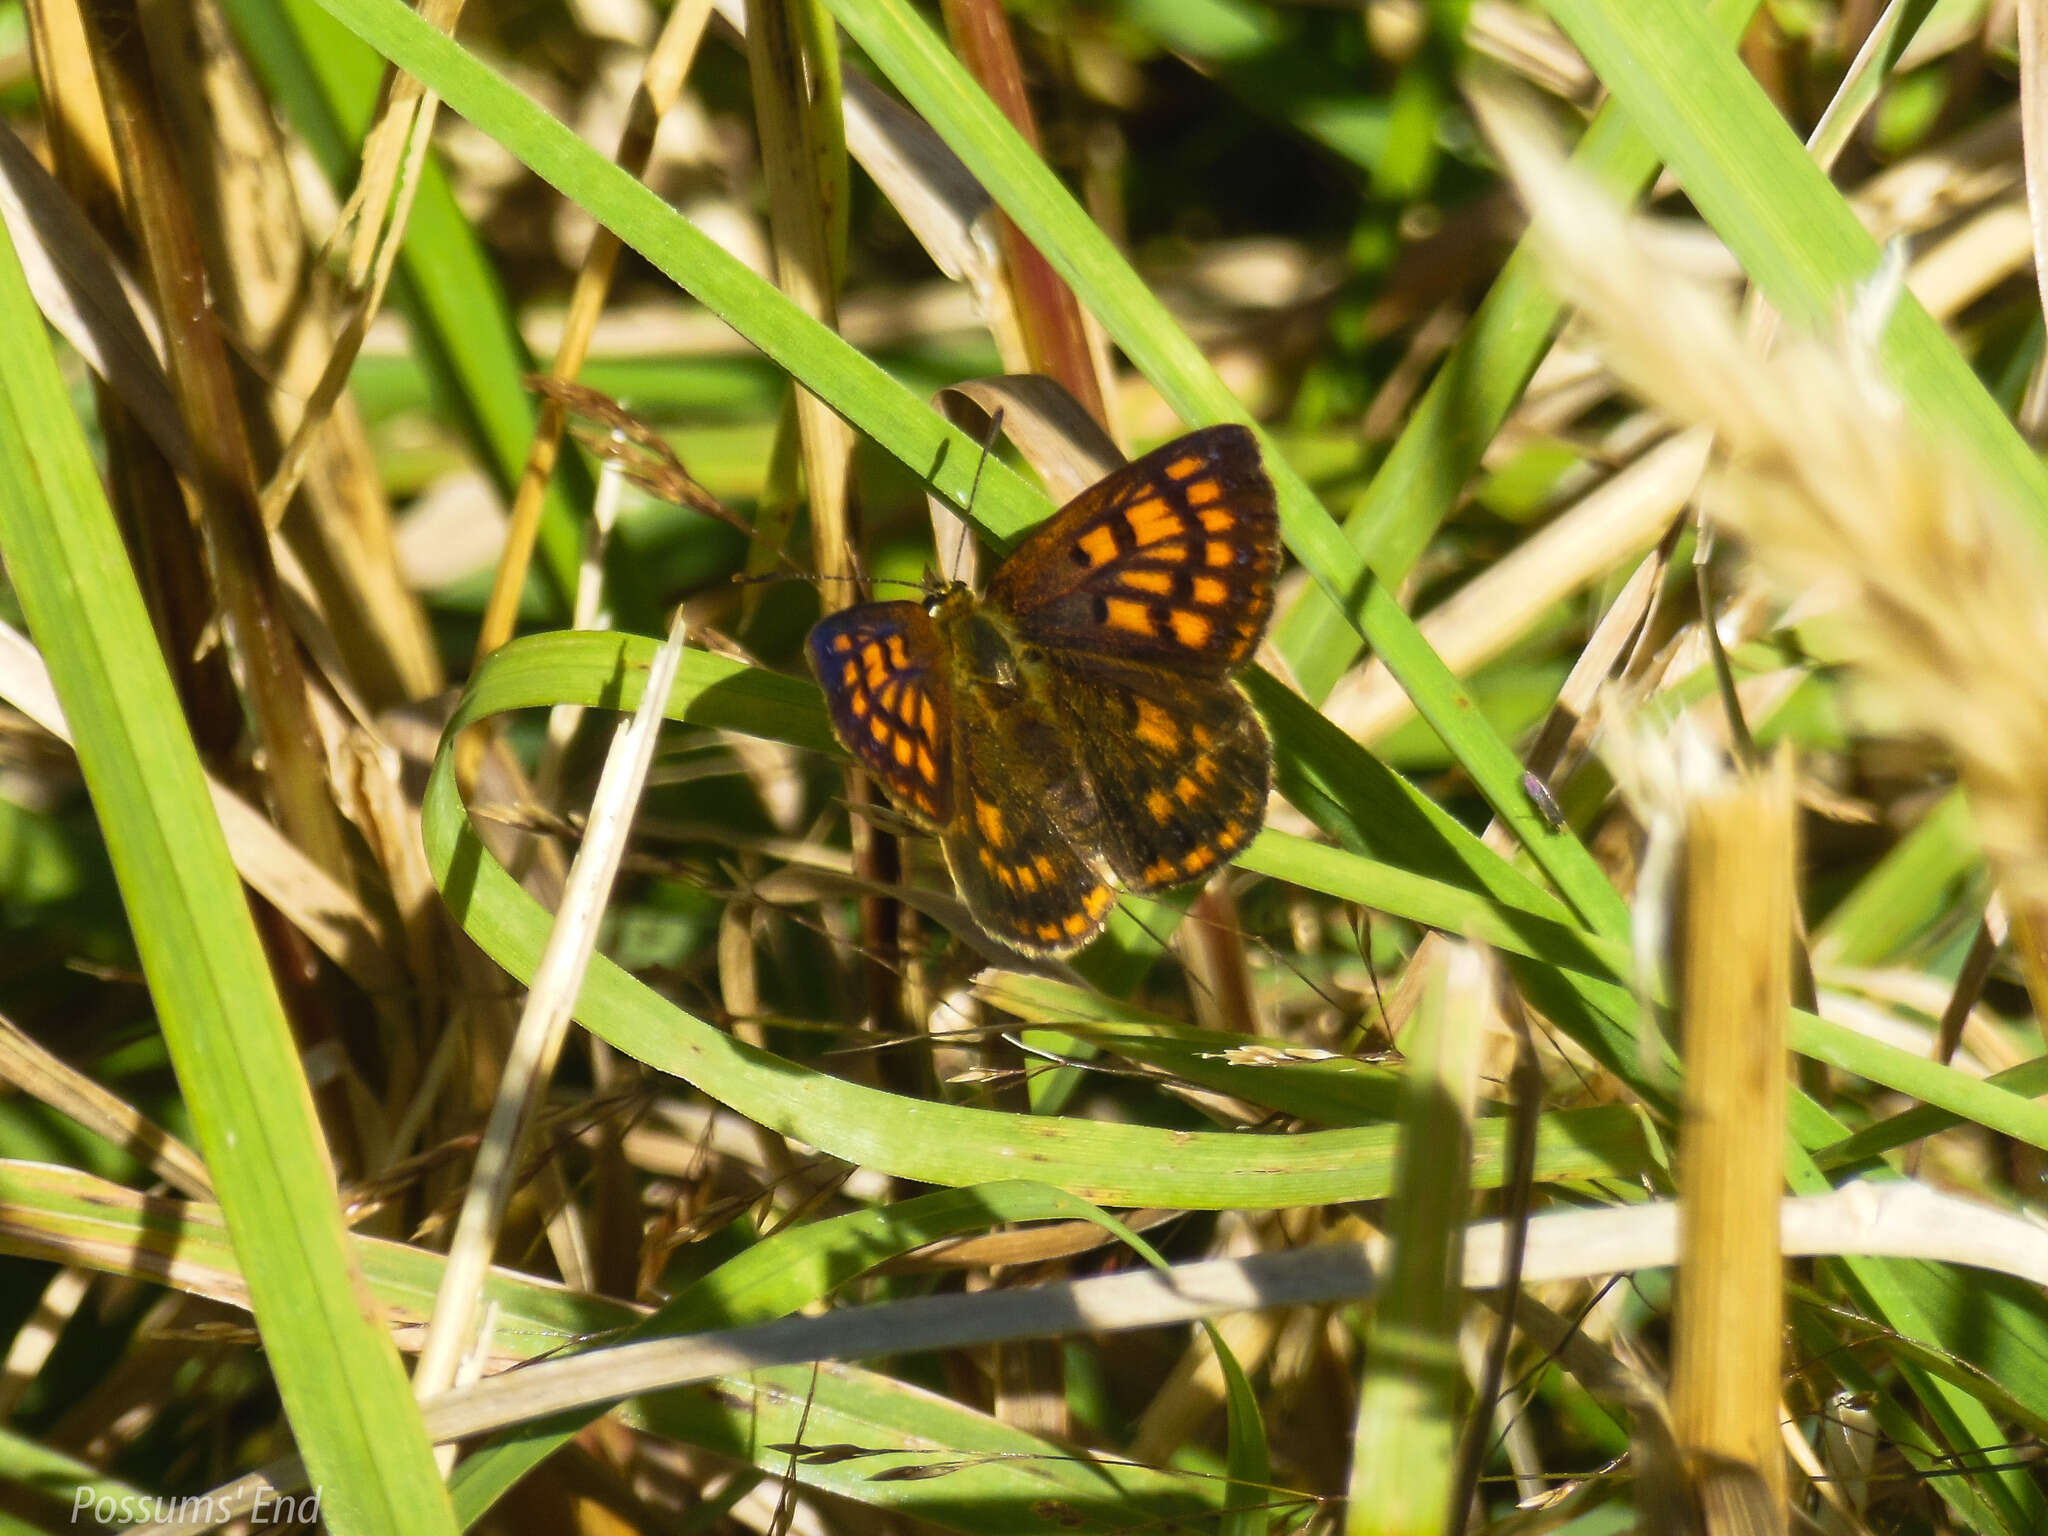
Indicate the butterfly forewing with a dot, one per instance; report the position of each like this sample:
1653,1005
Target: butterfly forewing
886,681
1169,561
1180,772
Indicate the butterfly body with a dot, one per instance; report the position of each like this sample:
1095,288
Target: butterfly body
1077,722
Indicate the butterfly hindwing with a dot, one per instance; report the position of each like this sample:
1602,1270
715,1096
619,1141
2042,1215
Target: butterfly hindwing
1021,846
887,683
1180,773
1169,561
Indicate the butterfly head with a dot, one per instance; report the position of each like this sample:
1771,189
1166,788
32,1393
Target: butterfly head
942,597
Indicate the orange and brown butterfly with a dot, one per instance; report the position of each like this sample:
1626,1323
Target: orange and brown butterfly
1078,720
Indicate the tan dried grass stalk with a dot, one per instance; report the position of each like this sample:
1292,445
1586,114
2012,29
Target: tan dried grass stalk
1836,491
1736,995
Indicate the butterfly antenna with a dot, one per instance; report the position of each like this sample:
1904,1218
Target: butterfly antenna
988,443
765,578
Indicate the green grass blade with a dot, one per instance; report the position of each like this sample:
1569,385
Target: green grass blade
335,1365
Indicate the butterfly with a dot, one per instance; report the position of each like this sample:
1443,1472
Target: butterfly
1078,720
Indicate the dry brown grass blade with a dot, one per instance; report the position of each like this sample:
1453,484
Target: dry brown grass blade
407,118
326,391
642,454
543,1028
87,297
1735,980
326,913
144,480
238,553
26,1065
1054,333
804,185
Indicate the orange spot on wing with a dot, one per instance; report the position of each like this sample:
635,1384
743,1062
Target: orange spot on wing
842,642
859,705
926,767
1158,870
1211,591
1198,861
1027,877
1152,520
927,718
1181,469
1216,552
1008,876
1190,629
898,656
1159,805
1098,545
1188,790
1097,901
1204,492
1157,582
990,819
879,732
1125,614
1048,933
849,675
904,751
1156,727
1217,520
1076,924
1205,769
1046,871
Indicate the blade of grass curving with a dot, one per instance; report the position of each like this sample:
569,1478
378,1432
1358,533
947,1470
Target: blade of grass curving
1112,1164
1795,235
64,1216
917,436
780,1275
1460,881
1476,386
236,1061
923,1140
